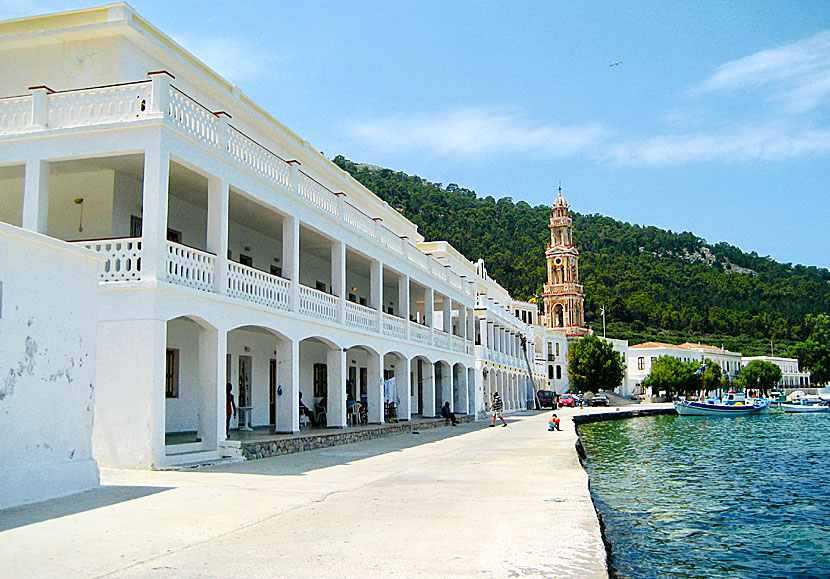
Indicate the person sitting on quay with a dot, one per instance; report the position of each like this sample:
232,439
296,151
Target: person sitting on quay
554,422
447,413
305,410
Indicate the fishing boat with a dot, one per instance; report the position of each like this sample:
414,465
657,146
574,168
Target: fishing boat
716,407
734,404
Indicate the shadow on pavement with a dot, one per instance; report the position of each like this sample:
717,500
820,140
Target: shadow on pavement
102,496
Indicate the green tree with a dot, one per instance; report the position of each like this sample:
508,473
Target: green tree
759,375
672,376
593,364
814,357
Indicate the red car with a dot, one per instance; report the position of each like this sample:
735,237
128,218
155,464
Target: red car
567,400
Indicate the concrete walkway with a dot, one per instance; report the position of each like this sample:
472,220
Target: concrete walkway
449,502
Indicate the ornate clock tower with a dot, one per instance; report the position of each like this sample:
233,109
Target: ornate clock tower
563,295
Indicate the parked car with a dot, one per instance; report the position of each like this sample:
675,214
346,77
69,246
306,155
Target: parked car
599,400
547,399
567,400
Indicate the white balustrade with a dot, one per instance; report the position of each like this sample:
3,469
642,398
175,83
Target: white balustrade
358,220
419,333
417,256
190,267
110,104
394,326
457,344
317,194
318,304
392,241
258,287
454,279
123,257
471,348
442,340
258,158
358,316
194,118
15,114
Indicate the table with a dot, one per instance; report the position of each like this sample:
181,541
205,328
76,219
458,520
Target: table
244,421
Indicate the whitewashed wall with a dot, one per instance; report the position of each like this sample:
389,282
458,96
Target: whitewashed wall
48,302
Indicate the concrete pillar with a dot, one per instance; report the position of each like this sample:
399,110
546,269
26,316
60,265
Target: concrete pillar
444,386
428,385
376,290
374,386
288,382
338,276
210,430
336,400
291,258
447,315
129,423
403,303
154,212
462,321
36,196
429,311
217,231
402,382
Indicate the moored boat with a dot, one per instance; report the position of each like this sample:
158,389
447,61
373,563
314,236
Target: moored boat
796,408
716,408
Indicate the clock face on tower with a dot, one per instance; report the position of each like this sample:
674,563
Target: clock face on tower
558,261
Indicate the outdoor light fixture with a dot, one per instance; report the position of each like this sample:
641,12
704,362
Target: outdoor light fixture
80,201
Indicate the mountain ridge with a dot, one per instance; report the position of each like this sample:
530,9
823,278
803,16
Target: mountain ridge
655,284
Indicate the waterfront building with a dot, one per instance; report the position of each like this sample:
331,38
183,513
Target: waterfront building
791,376
233,251
642,356
47,364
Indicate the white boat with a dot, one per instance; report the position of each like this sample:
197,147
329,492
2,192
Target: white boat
787,407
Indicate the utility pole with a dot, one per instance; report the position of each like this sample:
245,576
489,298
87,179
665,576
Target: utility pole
603,321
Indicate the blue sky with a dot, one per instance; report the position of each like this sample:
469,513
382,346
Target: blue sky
716,120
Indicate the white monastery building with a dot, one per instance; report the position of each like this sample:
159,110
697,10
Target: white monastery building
791,376
229,251
642,356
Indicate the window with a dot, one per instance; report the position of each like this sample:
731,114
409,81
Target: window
320,286
135,226
641,363
246,260
363,302
174,236
321,380
557,349
171,374
276,270
558,372
550,372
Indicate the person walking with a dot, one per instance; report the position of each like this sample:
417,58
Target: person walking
497,406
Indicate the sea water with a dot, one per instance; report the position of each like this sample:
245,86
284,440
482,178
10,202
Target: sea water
685,496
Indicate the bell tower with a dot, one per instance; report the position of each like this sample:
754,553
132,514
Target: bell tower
563,295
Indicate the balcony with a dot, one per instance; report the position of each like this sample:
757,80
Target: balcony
155,101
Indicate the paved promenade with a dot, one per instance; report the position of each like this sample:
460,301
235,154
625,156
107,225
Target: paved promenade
451,502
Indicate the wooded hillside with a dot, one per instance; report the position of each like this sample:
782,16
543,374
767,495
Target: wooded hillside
655,284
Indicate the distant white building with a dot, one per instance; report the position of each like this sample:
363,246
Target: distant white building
641,357
791,376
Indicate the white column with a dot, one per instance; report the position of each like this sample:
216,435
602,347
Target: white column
338,276
463,394
374,386
402,378
462,321
211,398
447,315
154,212
429,310
291,257
336,399
403,304
36,196
217,231
376,290
428,386
288,381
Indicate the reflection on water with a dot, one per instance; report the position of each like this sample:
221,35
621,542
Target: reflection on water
713,497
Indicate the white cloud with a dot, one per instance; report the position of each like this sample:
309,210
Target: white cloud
797,74
475,132
743,143
233,59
